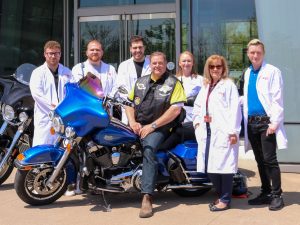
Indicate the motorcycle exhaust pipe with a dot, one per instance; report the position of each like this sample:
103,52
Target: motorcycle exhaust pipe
188,186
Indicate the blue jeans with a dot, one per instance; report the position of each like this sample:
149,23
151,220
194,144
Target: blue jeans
150,145
223,185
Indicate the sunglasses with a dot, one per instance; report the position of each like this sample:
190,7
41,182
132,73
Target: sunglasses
211,67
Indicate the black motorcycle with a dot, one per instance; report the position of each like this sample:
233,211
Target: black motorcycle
17,106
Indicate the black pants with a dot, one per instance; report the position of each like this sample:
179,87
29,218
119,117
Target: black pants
264,148
223,185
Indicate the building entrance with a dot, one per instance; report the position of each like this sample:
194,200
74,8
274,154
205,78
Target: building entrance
114,31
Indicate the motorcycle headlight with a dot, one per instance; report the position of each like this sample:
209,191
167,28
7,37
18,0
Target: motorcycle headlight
57,124
23,116
8,112
70,132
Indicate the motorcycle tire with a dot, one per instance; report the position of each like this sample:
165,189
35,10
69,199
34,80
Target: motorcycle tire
30,186
5,171
191,192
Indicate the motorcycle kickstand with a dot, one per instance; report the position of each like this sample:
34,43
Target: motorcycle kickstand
105,206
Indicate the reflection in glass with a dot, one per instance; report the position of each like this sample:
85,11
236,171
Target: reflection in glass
107,32
25,27
159,35
91,3
223,27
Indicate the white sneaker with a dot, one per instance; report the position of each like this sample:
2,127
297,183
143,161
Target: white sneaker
70,193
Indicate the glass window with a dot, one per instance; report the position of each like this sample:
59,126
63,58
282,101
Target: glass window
225,28
25,27
114,33
91,3
185,25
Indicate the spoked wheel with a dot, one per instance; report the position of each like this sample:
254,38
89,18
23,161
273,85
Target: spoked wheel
191,192
30,186
7,168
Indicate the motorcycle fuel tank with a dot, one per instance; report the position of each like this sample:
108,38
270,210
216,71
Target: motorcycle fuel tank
115,134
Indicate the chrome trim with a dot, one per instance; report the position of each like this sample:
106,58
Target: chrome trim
11,147
58,168
3,127
189,186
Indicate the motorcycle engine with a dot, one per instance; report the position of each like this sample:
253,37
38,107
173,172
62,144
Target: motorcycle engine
108,157
101,155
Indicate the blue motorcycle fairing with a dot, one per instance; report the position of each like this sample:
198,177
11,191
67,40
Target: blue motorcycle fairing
115,134
46,154
82,111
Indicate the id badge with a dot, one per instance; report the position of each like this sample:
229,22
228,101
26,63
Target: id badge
207,119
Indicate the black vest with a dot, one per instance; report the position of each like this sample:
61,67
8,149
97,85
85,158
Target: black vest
151,99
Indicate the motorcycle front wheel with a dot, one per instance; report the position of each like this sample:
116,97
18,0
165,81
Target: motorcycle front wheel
7,168
191,192
30,185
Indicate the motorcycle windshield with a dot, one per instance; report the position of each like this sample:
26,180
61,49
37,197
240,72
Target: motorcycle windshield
23,73
92,85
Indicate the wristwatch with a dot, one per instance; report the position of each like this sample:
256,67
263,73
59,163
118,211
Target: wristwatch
154,126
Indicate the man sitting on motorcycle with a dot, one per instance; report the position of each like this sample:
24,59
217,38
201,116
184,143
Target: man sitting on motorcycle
158,99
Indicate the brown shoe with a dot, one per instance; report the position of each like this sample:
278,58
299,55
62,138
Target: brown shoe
146,209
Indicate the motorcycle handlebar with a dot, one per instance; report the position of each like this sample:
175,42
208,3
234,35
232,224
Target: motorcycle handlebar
120,101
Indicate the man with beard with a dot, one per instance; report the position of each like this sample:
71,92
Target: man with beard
94,64
131,69
107,74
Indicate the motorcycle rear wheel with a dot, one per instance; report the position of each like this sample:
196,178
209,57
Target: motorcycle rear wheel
7,168
191,192
30,186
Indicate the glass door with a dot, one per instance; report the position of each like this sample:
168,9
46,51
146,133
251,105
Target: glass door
114,32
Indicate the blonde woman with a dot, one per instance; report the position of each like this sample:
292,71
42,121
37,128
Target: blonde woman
217,122
190,80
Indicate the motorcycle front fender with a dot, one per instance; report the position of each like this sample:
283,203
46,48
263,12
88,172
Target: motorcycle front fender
46,155
38,155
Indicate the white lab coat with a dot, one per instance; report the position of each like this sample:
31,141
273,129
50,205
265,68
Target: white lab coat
192,86
127,77
269,88
225,112
107,75
43,91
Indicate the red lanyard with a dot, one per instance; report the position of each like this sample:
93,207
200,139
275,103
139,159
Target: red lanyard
210,89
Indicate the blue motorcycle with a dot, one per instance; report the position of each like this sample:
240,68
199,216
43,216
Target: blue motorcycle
98,152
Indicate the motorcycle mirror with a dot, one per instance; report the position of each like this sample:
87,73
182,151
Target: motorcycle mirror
23,73
122,90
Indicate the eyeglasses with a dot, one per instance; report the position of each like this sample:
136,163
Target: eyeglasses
53,54
218,67
137,47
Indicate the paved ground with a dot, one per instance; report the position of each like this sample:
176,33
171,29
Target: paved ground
169,208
